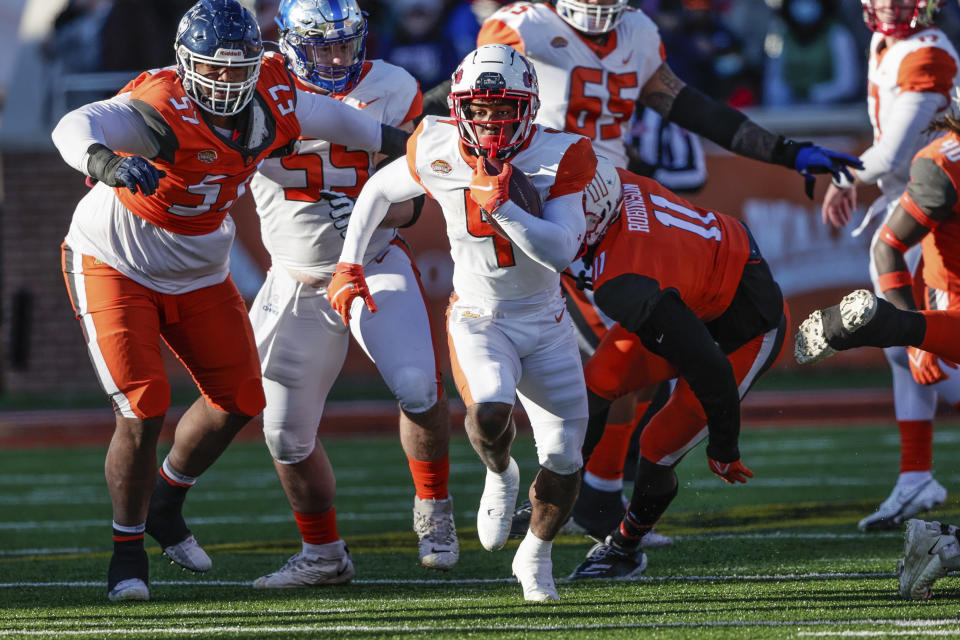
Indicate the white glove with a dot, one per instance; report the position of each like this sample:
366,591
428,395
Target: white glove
341,206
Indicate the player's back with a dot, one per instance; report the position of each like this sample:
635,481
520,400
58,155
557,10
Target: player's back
698,252
297,231
584,88
488,267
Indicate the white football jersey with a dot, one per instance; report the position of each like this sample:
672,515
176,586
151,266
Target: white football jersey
584,88
487,266
295,217
924,62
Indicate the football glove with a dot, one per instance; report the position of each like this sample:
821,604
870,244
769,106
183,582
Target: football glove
730,472
348,284
490,190
809,159
341,206
133,172
926,367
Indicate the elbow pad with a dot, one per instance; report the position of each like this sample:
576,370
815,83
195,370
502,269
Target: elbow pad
713,120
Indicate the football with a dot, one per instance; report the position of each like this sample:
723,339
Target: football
522,192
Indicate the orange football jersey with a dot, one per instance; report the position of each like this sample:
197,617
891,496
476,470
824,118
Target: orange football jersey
206,171
660,235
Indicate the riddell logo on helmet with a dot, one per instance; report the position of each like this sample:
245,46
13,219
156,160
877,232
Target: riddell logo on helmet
441,166
558,43
228,53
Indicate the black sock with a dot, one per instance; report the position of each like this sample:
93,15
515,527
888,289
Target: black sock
129,559
165,518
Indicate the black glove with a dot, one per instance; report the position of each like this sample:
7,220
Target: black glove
132,172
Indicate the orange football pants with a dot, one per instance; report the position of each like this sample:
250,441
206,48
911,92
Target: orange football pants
123,322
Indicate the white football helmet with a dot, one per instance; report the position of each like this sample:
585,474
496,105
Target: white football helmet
494,72
601,201
903,18
591,18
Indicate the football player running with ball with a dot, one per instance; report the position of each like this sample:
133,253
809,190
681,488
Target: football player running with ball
506,323
147,258
304,202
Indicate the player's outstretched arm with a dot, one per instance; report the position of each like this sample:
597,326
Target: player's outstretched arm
325,118
732,130
668,328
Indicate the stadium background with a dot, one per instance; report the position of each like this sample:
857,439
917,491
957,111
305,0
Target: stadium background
41,351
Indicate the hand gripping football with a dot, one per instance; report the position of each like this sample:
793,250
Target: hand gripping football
522,192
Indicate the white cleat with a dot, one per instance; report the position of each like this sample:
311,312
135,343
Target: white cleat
928,551
535,575
905,502
654,540
856,310
497,504
335,567
433,524
189,554
129,589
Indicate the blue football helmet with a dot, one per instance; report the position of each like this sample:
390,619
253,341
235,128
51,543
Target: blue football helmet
225,36
324,41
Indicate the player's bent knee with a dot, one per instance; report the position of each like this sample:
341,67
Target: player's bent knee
289,445
414,389
562,463
150,399
247,400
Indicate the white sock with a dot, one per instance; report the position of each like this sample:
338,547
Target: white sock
602,484
176,476
912,478
535,547
320,550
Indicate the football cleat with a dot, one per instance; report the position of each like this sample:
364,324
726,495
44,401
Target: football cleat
433,524
301,570
129,589
598,512
929,550
189,555
827,331
535,575
905,502
607,560
499,499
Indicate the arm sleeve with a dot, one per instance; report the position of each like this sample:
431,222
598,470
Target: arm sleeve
392,183
912,112
114,123
553,240
668,328
325,118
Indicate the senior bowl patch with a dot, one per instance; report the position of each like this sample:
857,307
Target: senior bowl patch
209,156
559,42
441,166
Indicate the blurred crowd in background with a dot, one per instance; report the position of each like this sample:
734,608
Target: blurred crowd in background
746,52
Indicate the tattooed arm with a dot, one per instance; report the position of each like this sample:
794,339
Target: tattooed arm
672,98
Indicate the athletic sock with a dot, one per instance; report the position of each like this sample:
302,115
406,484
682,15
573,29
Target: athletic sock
430,477
317,528
940,336
916,445
129,559
165,518
608,456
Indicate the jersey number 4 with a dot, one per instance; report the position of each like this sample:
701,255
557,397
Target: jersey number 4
480,228
584,110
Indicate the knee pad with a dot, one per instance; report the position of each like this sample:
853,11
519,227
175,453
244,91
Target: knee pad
147,400
414,388
559,444
289,444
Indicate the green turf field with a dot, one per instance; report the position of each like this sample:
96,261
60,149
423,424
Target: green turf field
777,558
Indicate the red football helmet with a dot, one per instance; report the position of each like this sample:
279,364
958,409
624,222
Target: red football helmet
900,18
